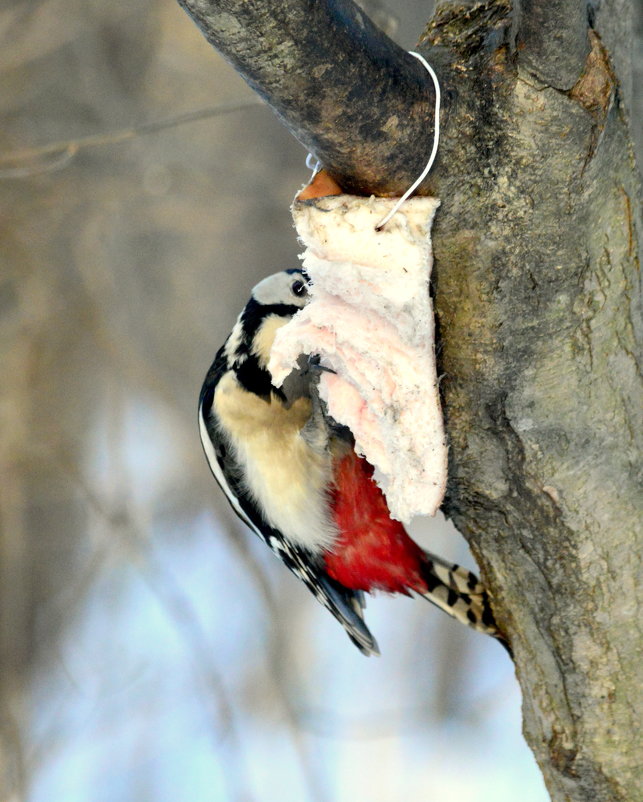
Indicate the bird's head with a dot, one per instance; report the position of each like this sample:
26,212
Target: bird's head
272,304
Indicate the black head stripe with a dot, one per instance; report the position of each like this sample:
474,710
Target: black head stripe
255,313
252,376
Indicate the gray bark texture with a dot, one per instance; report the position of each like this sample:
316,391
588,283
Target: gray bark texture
537,294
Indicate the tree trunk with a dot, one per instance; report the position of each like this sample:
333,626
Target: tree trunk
537,294
536,297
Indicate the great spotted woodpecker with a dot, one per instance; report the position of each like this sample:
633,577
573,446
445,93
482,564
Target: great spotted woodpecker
291,474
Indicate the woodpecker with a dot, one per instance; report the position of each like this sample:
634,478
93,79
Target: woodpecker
292,475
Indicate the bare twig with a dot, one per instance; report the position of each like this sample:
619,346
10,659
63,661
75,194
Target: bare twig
29,162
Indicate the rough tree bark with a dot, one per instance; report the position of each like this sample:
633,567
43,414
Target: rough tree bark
536,291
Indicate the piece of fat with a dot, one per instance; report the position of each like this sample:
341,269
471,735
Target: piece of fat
370,320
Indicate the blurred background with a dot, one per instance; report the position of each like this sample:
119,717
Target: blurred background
150,647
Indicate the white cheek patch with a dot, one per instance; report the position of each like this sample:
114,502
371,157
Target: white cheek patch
370,319
265,336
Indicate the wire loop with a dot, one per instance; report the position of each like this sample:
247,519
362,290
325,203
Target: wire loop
434,150
315,165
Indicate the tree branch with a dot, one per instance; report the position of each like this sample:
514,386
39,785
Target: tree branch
347,92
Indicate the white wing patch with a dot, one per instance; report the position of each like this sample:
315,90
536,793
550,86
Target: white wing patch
233,342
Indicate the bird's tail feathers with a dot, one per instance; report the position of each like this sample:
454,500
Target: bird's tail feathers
347,607
455,576
459,593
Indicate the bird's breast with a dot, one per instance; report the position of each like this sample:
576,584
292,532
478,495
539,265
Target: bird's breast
287,478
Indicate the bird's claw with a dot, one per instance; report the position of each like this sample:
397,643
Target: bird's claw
315,364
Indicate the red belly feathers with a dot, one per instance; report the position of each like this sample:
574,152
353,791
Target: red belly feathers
373,551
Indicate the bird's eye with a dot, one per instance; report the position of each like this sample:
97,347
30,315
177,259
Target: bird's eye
299,288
